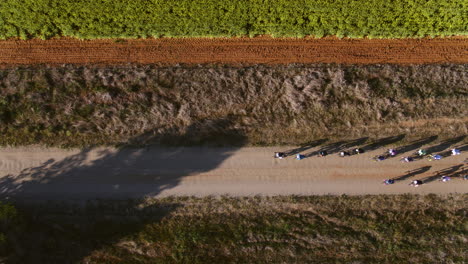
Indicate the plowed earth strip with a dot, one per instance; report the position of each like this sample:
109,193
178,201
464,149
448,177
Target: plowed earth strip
235,51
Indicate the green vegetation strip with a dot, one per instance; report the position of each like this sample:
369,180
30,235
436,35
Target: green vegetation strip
288,229
225,105
213,18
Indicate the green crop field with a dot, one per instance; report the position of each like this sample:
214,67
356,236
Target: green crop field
214,18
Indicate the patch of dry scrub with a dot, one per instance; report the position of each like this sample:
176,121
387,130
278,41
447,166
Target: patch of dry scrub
287,229
83,105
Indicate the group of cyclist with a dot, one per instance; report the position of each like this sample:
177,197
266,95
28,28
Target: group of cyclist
422,153
322,153
416,183
390,153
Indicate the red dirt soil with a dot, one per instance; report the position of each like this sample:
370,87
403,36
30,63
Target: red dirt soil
261,50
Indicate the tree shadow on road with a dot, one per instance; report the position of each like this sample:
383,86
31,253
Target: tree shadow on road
108,171
122,173
412,173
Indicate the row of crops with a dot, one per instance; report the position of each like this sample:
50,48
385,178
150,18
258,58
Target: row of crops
214,18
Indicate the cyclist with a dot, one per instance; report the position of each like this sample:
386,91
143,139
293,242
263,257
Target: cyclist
379,158
280,155
416,183
445,178
299,156
407,159
388,181
344,153
456,152
323,153
358,151
422,152
435,157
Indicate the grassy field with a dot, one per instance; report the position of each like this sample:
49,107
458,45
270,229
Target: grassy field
212,18
262,105
289,229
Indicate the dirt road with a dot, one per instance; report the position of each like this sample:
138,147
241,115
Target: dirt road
235,50
110,173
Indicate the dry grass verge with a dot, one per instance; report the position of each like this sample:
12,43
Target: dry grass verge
289,229
295,104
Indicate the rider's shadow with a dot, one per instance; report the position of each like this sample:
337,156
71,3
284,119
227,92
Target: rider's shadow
416,144
335,147
453,171
310,145
444,145
412,173
378,143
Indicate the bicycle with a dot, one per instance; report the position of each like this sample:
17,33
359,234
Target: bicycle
434,157
416,183
379,158
388,181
